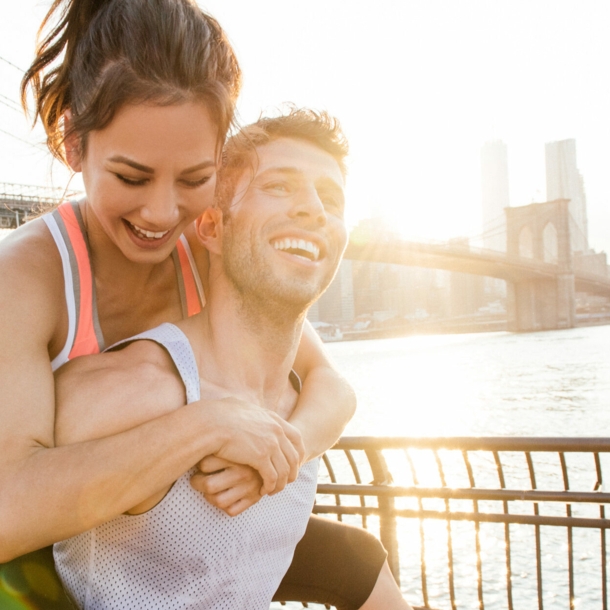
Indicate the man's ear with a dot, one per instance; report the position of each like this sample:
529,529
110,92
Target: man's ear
72,144
209,229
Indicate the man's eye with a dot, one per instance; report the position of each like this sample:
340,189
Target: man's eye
195,183
332,204
278,187
131,181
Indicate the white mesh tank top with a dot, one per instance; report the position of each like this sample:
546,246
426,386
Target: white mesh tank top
185,553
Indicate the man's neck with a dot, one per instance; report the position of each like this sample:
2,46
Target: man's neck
246,348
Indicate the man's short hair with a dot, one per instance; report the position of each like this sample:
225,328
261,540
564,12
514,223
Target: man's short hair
315,127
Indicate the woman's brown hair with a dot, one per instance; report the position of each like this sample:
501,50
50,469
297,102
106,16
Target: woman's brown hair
102,54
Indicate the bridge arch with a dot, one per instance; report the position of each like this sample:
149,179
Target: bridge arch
550,244
526,242
544,303
548,225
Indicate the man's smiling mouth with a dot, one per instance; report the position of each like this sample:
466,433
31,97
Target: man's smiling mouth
144,234
298,247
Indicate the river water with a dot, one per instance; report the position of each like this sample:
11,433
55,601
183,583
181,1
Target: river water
540,384
554,383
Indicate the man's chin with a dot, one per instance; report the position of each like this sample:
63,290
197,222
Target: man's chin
296,295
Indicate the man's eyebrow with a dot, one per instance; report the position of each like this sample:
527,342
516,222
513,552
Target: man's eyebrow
324,181
150,170
290,171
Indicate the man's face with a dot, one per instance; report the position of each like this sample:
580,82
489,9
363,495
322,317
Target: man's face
284,233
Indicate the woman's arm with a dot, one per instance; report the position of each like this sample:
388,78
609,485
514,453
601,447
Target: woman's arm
327,401
50,493
326,405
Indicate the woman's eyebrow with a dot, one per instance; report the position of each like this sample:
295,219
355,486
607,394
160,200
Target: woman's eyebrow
132,163
150,170
194,168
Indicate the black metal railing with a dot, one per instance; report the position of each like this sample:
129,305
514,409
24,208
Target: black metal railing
514,514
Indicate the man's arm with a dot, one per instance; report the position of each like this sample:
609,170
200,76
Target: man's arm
327,401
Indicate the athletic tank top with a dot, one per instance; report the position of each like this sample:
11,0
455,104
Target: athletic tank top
184,553
84,333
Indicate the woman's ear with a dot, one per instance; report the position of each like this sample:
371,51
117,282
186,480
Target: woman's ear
209,229
72,144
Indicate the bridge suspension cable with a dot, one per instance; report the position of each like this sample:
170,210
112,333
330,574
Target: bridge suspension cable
10,63
32,144
10,102
9,106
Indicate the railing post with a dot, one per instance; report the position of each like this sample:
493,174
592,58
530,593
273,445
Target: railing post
387,518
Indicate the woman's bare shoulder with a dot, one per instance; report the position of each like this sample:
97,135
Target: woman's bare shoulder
30,251
31,273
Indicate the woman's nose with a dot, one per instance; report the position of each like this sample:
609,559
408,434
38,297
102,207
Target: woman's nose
160,209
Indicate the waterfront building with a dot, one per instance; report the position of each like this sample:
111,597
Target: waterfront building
336,305
494,194
564,181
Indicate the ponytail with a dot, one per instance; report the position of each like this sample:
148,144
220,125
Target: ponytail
102,54
51,89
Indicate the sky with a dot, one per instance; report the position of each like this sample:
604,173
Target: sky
419,86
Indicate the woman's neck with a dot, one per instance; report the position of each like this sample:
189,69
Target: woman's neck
131,297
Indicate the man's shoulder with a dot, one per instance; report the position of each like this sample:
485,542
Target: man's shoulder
143,363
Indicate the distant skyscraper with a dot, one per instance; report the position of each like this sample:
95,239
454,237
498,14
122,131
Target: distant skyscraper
336,305
494,194
564,181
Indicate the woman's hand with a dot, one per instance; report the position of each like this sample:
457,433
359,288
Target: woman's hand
231,487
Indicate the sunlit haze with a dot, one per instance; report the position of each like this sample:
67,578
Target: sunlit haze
419,87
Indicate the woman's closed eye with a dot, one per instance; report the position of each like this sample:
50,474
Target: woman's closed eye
132,181
193,184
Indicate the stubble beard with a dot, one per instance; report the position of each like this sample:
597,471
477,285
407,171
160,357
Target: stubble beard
263,293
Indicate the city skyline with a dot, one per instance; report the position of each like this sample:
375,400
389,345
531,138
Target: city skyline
495,193
564,181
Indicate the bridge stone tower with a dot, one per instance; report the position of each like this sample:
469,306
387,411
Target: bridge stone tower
541,231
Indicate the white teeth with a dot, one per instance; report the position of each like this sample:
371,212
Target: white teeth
297,244
149,234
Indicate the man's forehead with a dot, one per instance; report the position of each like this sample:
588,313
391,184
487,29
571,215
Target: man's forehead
288,155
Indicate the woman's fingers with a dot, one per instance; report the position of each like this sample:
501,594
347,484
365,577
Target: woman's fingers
233,490
248,434
229,477
212,464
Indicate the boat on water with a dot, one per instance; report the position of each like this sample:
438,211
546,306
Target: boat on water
328,332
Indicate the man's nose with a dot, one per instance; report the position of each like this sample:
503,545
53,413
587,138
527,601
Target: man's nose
160,208
308,204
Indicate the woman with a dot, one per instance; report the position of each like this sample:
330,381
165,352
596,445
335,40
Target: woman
144,187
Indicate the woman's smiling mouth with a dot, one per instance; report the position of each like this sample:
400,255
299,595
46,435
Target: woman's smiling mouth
144,234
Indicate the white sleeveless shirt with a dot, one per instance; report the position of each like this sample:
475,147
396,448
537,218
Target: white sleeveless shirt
185,553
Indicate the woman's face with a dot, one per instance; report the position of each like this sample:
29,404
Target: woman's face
147,175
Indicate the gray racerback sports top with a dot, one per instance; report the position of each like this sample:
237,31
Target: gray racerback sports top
185,553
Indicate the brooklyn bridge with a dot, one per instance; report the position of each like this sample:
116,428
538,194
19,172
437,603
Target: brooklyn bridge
541,271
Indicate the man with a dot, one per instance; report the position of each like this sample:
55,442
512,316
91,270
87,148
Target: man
275,240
